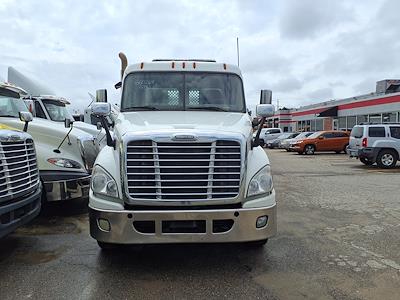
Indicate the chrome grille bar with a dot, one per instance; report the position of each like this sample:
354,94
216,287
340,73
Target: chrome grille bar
183,171
18,170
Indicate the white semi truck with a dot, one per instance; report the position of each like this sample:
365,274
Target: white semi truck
181,165
55,109
65,155
20,188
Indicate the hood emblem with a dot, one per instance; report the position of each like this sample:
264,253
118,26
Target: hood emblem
184,137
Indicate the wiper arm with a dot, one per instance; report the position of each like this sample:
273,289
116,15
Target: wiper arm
145,107
214,108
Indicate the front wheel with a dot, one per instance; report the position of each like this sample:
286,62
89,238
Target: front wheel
257,244
309,149
106,246
387,159
366,162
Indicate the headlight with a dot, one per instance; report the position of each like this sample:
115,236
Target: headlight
261,183
103,183
65,163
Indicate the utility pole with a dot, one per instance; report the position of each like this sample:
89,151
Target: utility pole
237,50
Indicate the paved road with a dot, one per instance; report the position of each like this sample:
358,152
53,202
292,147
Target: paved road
338,238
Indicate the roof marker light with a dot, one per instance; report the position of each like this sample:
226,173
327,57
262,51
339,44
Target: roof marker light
183,65
224,66
173,65
194,65
141,65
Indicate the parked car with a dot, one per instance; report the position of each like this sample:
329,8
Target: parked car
285,144
376,143
276,143
267,134
336,141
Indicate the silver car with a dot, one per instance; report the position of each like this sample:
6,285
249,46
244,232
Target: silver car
285,144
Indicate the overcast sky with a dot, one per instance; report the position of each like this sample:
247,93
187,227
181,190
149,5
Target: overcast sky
306,51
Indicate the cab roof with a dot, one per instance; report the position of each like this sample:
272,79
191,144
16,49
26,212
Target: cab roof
13,88
183,65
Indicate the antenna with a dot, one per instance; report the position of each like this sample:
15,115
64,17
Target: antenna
237,50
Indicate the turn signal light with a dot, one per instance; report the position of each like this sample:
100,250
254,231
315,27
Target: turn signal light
364,142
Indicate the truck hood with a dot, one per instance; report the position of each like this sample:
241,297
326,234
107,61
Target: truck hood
183,120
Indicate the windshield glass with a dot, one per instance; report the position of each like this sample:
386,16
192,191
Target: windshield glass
303,135
57,110
183,91
314,135
10,107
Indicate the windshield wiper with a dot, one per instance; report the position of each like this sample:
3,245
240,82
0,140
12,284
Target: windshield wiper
214,108
145,107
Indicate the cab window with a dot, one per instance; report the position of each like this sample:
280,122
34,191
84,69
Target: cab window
39,111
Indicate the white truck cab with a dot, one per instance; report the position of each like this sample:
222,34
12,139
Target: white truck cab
54,108
65,156
181,165
20,188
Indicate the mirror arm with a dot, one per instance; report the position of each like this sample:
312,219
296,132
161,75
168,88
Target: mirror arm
256,141
26,126
110,141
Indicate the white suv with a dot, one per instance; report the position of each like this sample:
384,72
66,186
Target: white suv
376,143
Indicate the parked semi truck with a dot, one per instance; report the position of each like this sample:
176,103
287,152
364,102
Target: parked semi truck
54,108
65,155
181,165
20,188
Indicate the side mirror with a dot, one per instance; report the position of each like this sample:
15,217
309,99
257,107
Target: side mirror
321,137
101,109
68,123
266,97
265,110
98,125
101,95
25,116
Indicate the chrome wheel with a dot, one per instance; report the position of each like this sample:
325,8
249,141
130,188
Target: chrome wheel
387,159
309,149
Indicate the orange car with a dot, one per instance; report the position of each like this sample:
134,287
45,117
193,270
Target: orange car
322,141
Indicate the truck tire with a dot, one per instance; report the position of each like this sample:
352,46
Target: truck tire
257,244
387,159
309,149
106,246
366,162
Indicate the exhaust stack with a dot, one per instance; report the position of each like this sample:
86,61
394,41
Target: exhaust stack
124,63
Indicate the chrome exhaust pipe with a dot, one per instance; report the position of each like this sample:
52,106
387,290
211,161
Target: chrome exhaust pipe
124,63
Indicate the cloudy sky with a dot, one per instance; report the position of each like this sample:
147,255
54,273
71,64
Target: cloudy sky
306,51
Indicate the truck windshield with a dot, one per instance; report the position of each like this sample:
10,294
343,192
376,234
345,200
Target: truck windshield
10,107
183,91
57,110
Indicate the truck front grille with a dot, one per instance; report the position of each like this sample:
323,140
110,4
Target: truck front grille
178,171
18,169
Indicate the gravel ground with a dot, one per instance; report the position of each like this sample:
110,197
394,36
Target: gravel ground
338,238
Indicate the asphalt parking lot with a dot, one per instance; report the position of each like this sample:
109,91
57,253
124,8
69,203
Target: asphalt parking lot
338,238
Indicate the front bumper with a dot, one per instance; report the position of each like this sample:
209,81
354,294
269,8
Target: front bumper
368,153
62,185
19,212
296,148
123,231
